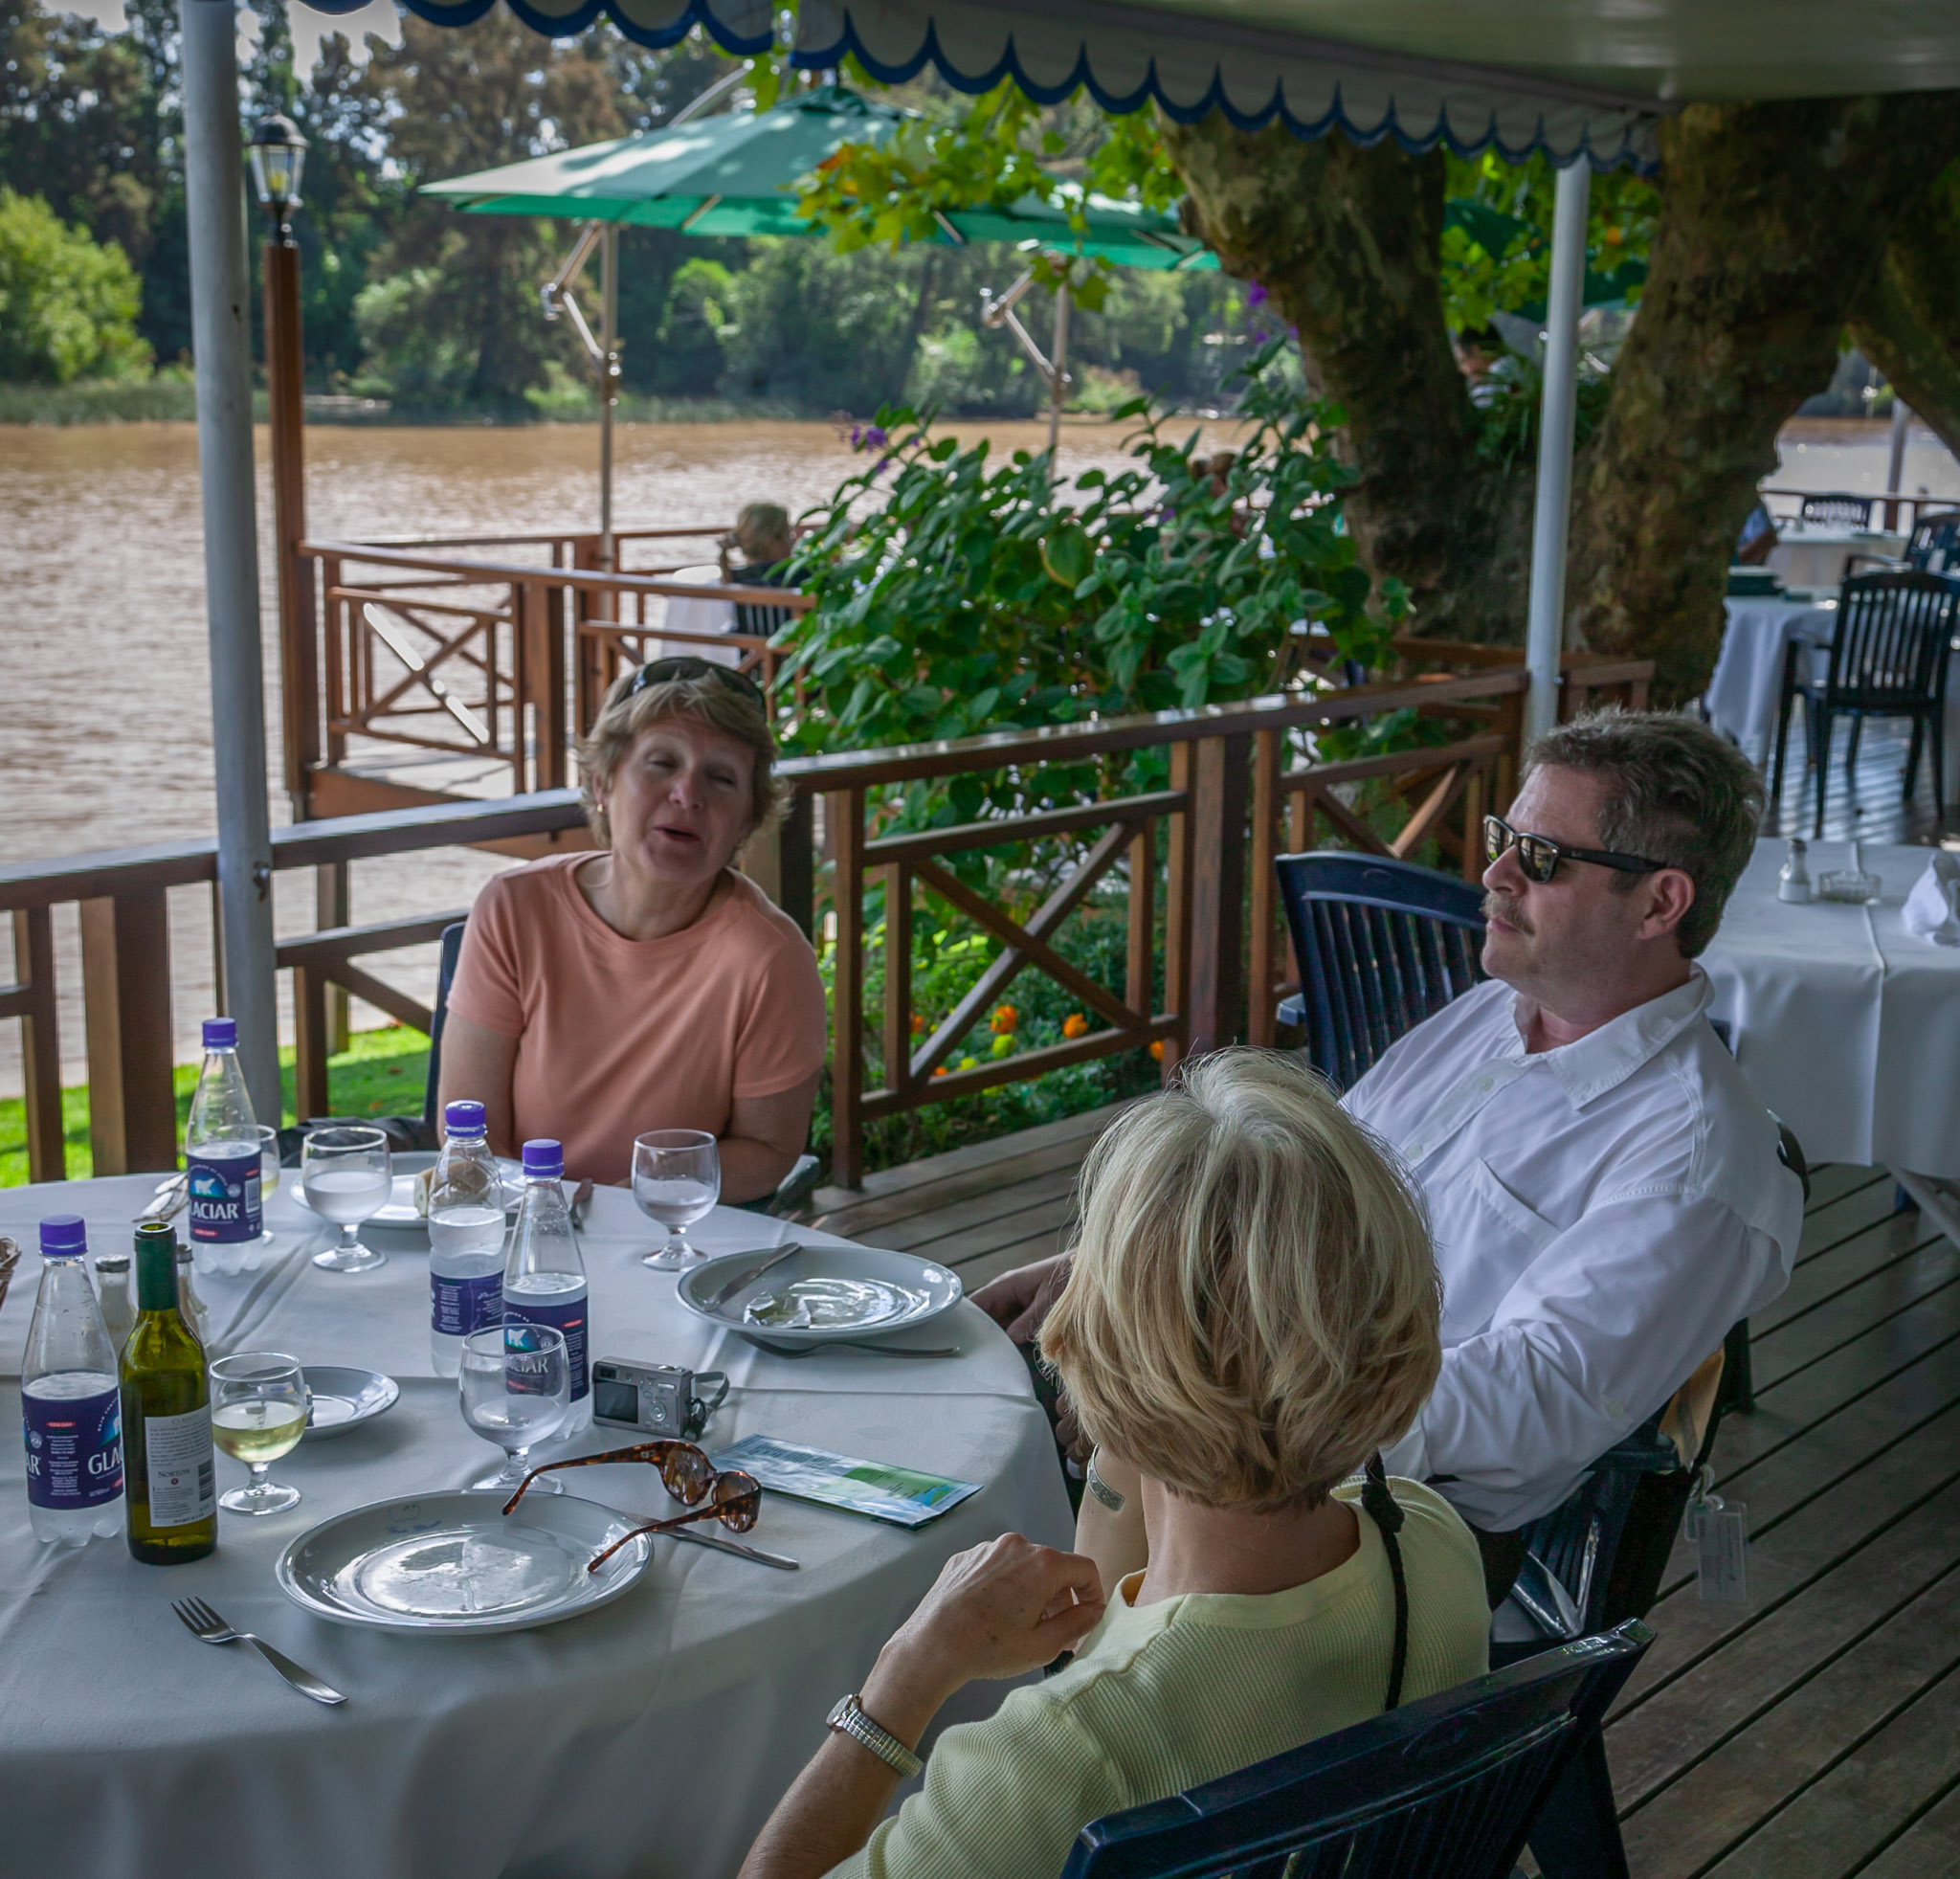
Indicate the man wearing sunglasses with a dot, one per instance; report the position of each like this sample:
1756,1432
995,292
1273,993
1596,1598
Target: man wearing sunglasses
1605,1189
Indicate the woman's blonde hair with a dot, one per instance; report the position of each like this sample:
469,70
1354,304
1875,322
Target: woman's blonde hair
709,700
1253,1306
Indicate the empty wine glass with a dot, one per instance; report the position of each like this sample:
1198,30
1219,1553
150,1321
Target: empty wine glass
259,1408
268,1180
677,1179
348,1177
515,1387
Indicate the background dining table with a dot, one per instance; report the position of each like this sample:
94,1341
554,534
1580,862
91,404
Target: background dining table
1846,1024
1813,554
649,1737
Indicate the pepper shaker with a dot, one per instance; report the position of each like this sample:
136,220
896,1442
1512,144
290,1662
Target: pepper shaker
1794,883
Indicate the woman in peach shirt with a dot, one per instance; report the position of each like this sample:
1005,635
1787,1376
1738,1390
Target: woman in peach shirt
649,985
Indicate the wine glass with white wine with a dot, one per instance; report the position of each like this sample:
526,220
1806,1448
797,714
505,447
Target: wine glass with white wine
677,1179
258,1409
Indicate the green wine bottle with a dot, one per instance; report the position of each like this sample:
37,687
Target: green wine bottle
168,1462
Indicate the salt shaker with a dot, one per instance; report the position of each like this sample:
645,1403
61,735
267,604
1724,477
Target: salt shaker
112,1288
1794,883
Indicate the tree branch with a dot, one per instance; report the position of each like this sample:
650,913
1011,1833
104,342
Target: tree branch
1908,321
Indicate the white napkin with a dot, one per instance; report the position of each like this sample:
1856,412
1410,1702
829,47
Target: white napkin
1932,909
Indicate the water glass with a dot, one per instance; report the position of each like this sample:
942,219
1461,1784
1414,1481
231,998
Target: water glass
268,1177
677,1179
258,1410
348,1177
515,1386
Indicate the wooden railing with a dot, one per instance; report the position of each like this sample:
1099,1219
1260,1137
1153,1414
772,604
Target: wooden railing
1190,861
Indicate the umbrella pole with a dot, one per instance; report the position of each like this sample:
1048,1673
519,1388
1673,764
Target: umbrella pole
1058,375
608,386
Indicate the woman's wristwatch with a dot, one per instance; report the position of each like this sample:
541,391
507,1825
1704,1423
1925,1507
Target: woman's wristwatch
849,1719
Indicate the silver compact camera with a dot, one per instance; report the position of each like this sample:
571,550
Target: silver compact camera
658,1399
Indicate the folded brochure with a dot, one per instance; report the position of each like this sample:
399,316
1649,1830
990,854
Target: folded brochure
900,1495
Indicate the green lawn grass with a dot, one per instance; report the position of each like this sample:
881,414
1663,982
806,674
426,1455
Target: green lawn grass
382,1073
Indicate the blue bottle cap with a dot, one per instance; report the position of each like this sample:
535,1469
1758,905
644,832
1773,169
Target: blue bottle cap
63,1236
544,1160
464,1118
221,1033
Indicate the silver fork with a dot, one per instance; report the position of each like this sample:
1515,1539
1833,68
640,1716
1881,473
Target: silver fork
203,1623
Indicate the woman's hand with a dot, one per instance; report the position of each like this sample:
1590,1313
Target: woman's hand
1018,1301
997,1610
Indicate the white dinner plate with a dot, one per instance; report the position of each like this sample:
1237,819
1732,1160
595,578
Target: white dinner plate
448,1563
343,1398
400,1214
867,1292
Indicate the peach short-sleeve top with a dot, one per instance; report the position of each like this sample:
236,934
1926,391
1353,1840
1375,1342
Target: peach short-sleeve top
618,1036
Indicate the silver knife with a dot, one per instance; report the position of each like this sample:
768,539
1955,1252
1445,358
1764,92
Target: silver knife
780,1561
722,1294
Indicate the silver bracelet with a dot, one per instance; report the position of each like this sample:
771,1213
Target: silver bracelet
1102,1491
848,1718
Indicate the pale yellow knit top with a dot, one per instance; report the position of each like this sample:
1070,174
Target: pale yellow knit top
1162,1697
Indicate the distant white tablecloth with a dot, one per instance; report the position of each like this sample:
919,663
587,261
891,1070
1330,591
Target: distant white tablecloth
1846,1024
1748,686
651,1738
699,615
1815,557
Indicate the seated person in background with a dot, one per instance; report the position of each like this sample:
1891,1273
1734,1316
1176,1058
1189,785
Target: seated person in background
1251,1312
764,539
1604,1186
648,986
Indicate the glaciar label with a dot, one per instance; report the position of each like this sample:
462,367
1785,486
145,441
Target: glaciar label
74,1449
457,1307
178,1453
567,1316
224,1198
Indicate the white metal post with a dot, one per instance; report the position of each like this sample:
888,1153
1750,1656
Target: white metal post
1058,380
608,386
1557,411
221,347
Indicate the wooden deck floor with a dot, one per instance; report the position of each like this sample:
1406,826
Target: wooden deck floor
1813,1733
1869,802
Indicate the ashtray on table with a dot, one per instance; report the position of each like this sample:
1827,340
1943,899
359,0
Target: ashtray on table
1851,885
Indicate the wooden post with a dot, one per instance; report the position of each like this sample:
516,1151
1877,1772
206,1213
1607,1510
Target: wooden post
31,999
1473,824
541,664
1264,915
898,977
286,409
1139,969
844,824
125,970
796,862
333,906
1218,892
1177,915
336,628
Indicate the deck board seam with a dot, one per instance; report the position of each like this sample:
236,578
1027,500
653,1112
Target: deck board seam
1877,1324
1758,1338
1938,1797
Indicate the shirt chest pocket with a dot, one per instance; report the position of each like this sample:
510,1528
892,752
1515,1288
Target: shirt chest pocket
1486,1236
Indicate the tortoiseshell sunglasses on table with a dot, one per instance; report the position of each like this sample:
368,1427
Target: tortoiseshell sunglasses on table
733,1498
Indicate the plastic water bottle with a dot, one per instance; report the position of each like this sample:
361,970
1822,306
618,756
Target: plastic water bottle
465,1238
70,1399
221,1148
545,1278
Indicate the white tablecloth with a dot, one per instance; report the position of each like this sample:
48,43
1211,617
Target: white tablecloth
1748,686
1815,557
1846,1024
697,616
650,1737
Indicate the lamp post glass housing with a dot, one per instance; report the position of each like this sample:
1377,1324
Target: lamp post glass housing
279,154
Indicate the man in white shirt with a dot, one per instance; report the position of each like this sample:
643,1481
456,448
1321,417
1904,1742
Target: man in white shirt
1604,1188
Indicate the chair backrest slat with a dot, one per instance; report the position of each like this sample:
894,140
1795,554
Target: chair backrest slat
1443,1788
1857,510
1381,945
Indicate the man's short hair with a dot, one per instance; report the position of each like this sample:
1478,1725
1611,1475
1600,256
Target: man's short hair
1253,1306
1675,793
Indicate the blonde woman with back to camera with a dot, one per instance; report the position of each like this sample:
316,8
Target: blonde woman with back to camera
1251,1315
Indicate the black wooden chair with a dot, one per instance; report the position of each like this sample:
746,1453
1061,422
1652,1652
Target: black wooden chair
1856,510
1888,659
1381,945
1445,1788
794,1188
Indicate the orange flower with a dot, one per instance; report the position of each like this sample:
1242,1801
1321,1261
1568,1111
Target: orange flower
1005,1019
1157,1049
939,1070
1075,1025
918,1025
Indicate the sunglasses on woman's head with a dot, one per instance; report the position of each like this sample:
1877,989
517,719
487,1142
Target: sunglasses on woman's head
733,1498
663,671
1539,856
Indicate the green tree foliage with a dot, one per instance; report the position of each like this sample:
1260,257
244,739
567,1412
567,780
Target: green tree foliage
67,304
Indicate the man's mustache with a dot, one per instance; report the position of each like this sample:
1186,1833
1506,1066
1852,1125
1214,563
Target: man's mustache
1505,908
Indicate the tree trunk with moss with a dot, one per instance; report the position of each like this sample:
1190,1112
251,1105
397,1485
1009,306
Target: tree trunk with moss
1774,220
1908,321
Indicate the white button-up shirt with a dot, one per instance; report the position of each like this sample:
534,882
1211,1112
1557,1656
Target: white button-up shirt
1603,1212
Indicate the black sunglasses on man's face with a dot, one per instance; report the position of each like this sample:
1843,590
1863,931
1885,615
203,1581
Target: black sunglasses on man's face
663,671
1539,856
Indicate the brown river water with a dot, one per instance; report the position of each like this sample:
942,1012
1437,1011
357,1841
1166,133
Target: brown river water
105,733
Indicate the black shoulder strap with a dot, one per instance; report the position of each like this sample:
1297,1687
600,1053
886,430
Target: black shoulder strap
1381,1508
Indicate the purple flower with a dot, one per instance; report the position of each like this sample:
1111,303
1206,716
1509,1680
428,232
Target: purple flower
1259,337
1256,295
869,436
